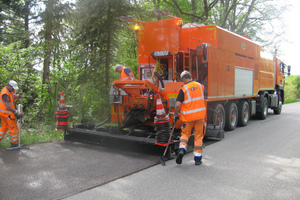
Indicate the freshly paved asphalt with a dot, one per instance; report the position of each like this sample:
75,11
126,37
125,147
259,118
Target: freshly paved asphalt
55,170
260,161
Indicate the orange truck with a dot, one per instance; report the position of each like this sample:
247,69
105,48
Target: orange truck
240,81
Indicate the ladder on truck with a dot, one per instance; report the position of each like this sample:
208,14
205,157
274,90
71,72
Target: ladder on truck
186,60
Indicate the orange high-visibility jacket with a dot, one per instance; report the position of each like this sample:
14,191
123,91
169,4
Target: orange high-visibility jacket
4,112
193,107
124,76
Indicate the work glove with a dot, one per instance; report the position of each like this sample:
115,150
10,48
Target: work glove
175,119
18,114
21,95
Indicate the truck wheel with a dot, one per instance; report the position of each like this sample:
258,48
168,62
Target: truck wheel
219,119
278,110
231,116
264,109
244,113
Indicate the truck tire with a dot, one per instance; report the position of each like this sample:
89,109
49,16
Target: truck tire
264,109
231,116
278,110
244,113
220,117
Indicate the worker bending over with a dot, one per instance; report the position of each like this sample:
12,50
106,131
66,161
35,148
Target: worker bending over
126,73
8,113
190,104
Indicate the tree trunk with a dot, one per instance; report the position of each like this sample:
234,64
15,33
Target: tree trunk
157,7
245,20
48,39
47,52
80,106
55,99
108,45
27,12
206,10
194,9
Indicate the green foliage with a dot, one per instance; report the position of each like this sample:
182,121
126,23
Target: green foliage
292,89
14,66
127,51
291,101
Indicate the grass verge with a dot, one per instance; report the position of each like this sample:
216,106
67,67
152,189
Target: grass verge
41,133
291,100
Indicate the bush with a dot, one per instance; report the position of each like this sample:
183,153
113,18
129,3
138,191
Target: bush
286,101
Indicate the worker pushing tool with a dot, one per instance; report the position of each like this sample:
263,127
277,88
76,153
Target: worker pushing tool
8,112
190,104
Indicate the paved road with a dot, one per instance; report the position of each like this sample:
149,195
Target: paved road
55,170
260,161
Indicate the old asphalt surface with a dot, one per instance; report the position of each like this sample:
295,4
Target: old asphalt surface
260,161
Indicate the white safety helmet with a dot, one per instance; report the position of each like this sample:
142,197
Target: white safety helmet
184,73
117,66
13,84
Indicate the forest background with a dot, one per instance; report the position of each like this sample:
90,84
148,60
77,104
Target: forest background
49,46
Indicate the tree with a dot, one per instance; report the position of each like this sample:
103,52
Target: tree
15,20
48,42
248,17
292,87
96,36
296,83
200,9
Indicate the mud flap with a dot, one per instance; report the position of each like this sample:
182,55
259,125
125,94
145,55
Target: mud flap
214,133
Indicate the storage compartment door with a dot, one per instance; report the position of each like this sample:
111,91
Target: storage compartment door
243,82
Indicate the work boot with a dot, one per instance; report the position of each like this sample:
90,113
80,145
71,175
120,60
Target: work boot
198,160
180,155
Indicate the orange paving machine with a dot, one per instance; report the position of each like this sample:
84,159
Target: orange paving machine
240,81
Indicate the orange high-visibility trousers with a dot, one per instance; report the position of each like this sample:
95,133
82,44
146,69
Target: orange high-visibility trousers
11,125
186,131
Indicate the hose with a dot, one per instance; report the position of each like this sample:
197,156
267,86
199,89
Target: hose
158,69
160,79
100,124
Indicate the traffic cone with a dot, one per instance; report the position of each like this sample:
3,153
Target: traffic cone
62,115
161,116
162,123
62,104
160,111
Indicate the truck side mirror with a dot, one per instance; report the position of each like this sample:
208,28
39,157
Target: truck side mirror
282,67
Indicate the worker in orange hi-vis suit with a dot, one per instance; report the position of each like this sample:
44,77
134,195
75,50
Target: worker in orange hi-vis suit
8,112
190,103
126,73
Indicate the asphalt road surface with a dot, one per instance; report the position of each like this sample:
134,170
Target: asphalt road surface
55,170
260,161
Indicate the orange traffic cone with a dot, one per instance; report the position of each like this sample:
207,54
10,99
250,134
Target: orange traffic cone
62,103
162,124
62,115
160,111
